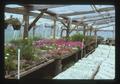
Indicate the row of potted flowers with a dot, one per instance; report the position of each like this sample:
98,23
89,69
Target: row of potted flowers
57,43
31,52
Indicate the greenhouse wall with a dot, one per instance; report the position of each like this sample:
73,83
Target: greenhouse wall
44,32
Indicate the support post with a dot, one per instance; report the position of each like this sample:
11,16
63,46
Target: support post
26,19
37,18
63,24
84,33
67,32
90,30
82,51
76,56
68,29
113,40
58,66
61,34
54,27
84,30
34,31
74,29
77,29
95,38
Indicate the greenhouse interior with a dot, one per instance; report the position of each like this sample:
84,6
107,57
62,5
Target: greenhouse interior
59,41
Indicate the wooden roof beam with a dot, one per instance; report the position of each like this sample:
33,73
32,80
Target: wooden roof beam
21,11
38,7
36,19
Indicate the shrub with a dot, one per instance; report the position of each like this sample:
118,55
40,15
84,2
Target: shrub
36,38
10,56
26,47
76,37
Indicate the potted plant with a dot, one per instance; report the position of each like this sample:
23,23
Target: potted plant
14,22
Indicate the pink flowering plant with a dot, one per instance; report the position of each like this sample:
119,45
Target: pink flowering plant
61,42
44,44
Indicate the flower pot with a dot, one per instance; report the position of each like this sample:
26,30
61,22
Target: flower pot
14,22
16,27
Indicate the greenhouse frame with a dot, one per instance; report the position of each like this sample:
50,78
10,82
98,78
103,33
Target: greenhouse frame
59,41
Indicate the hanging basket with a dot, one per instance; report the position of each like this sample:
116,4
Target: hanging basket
14,22
16,27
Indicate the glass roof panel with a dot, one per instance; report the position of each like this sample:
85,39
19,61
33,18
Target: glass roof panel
70,9
92,14
107,28
7,15
103,6
36,11
66,9
13,5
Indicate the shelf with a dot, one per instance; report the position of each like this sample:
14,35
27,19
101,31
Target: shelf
23,73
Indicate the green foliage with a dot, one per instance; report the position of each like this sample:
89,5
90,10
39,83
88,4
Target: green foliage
80,37
17,42
89,38
76,37
10,56
26,47
27,52
48,47
37,38
10,65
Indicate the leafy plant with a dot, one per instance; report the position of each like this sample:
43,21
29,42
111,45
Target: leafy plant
10,51
26,47
10,65
10,56
37,38
88,39
76,37
17,42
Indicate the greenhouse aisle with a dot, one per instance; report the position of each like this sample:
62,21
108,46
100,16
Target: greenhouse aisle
98,65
